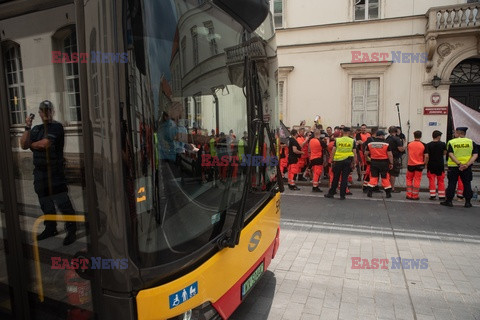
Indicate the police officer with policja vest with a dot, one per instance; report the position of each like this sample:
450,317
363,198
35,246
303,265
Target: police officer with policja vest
344,158
462,153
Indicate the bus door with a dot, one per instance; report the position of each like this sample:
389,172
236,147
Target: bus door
44,176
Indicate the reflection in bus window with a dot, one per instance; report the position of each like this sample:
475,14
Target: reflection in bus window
195,106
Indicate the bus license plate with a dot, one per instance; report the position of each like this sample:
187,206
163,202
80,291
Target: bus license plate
252,280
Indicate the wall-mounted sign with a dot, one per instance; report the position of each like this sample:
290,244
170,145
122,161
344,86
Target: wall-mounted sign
435,98
435,110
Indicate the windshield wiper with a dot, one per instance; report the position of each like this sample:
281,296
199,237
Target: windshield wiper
254,103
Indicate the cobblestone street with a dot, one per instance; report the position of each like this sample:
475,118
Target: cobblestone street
312,275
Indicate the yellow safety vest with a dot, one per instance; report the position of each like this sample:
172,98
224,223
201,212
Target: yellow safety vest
213,152
241,149
343,148
462,149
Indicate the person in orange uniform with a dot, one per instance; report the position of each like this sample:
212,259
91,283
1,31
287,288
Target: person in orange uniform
436,167
330,146
283,158
360,138
417,159
294,153
366,175
460,189
316,159
303,142
381,161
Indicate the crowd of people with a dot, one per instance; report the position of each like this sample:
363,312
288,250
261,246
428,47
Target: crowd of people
336,153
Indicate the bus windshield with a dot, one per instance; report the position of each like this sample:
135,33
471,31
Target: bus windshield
188,135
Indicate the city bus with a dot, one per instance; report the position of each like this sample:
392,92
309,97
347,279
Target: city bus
138,145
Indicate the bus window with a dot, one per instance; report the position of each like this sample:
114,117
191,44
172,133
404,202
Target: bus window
187,135
42,79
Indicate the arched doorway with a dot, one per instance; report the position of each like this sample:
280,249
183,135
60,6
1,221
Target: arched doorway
465,87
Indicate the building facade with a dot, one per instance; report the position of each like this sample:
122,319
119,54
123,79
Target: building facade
352,61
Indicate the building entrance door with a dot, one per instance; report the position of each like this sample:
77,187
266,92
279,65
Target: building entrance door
465,87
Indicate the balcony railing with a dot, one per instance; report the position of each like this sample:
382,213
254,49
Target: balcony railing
454,17
253,48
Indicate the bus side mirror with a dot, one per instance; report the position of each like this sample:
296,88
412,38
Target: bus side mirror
249,13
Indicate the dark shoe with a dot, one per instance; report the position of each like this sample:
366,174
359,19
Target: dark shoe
388,193
369,193
441,198
377,189
349,193
408,198
468,204
47,234
342,198
447,203
433,197
301,178
294,187
414,199
70,238
328,195
316,189
365,189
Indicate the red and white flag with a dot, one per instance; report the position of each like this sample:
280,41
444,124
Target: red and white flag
464,116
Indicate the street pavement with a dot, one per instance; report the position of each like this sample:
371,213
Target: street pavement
312,276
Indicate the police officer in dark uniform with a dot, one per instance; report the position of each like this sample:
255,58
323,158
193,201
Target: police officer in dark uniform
462,153
343,158
46,141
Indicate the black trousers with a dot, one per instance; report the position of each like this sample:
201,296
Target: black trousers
52,190
466,176
340,169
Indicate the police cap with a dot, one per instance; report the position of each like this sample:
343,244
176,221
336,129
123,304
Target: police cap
46,104
380,133
346,129
464,129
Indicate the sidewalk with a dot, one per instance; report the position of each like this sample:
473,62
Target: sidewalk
313,278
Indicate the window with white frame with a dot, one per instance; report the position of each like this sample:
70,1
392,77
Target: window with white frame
281,98
194,33
211,37
72,84
365,99
15,87
197,123
276,6
183,46
95,98
367,9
